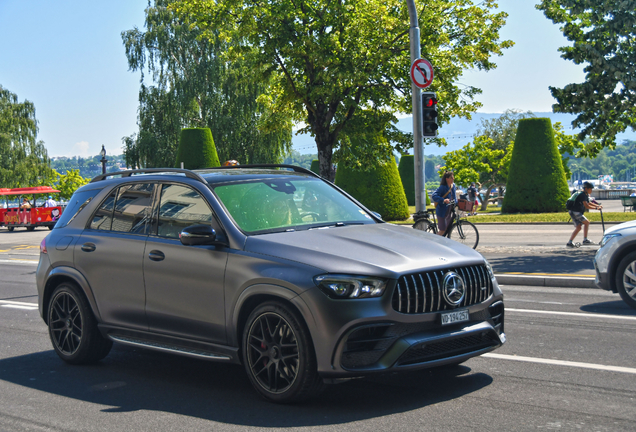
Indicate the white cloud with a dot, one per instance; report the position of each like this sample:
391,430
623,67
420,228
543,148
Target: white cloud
80,149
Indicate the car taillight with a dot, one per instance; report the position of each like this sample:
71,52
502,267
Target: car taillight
43,246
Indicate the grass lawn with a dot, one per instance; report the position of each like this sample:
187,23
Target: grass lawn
489,216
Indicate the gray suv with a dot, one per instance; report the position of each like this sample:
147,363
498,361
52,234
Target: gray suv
269,266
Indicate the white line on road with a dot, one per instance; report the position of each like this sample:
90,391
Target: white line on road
577,314
18,261
17,303
561,363
10,306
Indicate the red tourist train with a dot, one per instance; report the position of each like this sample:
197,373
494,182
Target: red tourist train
35,214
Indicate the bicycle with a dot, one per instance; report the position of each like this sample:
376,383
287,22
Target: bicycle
459,230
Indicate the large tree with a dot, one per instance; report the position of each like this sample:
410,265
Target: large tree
339,66
603,34
23,159
193,86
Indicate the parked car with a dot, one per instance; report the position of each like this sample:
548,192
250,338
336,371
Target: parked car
269,266
615,261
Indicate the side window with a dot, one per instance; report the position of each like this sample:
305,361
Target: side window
132,208
103,217
180,207
127,209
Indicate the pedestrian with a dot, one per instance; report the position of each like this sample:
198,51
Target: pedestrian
472,197
50,202
582,202
25,204
445,193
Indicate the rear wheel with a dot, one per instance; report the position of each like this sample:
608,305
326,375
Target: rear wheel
278,355
73,327
465,233
30,228
10,228
424,225
626,279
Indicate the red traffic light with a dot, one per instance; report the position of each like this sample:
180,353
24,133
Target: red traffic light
429,102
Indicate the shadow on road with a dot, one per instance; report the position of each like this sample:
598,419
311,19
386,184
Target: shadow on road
130,380
557,262
618,307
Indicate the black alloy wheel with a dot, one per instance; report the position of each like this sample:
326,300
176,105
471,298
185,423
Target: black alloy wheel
278,355
73,328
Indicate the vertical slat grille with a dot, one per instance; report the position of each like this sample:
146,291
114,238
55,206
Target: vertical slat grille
422,292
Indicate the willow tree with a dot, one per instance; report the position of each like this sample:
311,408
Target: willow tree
23,159
193,86
339,65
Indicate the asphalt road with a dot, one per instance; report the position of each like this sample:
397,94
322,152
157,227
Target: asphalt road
568,365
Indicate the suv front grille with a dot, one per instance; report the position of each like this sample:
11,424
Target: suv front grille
422,292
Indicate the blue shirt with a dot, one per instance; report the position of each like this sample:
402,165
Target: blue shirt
438,197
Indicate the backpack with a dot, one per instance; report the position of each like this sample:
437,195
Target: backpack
569,204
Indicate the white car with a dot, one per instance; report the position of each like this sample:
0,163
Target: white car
615,262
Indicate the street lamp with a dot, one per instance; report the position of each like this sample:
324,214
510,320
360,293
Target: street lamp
104,160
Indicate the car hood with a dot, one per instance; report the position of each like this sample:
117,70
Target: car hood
621,227
385,250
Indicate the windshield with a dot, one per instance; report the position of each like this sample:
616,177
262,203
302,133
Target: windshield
284,204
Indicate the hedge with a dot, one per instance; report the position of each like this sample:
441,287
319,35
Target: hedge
407,175
196,149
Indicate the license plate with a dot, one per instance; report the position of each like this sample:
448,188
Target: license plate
453,317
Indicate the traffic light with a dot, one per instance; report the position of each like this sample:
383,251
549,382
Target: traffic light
429,114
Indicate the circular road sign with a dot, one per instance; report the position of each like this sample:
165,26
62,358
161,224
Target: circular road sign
422,73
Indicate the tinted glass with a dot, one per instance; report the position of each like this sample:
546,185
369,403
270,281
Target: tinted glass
76,204
103,217
132,208
282,204
181,207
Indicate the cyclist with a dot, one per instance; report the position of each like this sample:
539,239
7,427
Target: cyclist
445,193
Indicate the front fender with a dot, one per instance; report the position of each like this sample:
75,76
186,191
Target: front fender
60,274
239,313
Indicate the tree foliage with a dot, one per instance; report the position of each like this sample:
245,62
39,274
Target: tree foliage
23,159
68,183
603,34
193,86
197,149
339,67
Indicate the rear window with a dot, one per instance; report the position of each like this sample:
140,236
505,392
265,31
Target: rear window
76,204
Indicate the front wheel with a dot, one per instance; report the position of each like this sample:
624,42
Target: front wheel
10,228
626,279
465,233
73,327
425,225
278,354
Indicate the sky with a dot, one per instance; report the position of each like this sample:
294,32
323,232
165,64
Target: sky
67,57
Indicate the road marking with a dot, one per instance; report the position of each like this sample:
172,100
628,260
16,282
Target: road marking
577,314
19,261
561,363
573,275
18,305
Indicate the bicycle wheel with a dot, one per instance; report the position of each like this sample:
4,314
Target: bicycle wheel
424,225
465,233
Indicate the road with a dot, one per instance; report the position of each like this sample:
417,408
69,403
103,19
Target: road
568,365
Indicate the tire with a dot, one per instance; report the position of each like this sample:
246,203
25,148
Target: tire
424,225
73,327
50,227
465,233
278,355
626,279
10,228
30,228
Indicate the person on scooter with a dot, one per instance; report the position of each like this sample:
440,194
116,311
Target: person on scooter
581,203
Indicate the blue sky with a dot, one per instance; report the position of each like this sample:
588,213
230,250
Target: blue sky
67,57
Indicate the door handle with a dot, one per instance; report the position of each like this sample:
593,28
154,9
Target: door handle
156,255
88,247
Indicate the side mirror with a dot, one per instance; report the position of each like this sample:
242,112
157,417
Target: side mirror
198,235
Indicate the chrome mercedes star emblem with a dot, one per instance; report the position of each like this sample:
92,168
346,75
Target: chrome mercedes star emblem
454,288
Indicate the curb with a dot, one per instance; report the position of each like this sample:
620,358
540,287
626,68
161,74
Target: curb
547,281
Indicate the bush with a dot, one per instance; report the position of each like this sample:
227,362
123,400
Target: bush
407,175
378,188
315,166
536,179
196,149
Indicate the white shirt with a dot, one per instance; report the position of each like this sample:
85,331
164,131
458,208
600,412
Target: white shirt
50,203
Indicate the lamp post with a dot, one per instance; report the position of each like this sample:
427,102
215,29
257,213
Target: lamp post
104,160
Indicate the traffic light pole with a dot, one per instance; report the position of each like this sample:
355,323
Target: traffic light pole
418,144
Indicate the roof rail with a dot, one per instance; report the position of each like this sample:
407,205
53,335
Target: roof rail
295,168
129,173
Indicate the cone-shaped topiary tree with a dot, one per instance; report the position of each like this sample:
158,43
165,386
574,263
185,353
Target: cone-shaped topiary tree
196,149
315,166
407,175
536,180
378,188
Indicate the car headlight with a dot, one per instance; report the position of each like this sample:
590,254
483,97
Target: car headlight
491,272
350,287
608,237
